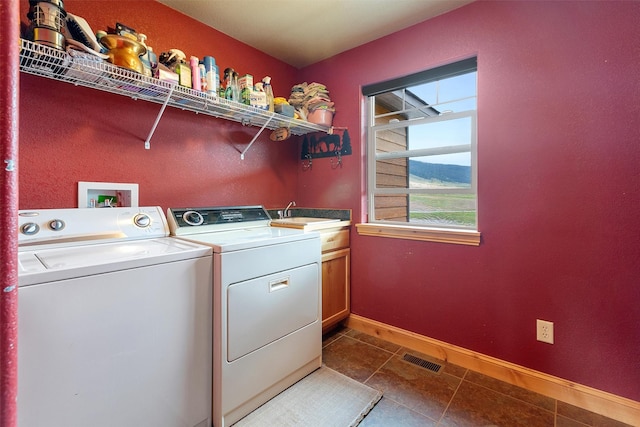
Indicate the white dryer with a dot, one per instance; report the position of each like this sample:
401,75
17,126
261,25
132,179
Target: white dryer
267,323
114,321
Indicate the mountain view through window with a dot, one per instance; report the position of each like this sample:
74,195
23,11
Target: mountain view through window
423,144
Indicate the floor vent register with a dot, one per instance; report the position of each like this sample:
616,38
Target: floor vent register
431,366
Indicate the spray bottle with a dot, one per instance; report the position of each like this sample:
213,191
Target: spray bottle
148,59
269,91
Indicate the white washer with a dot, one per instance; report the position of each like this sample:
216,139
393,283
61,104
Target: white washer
267,327
114,321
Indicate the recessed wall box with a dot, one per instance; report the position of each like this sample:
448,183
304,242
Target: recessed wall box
93,194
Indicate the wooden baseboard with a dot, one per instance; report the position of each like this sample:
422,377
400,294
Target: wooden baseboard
600,402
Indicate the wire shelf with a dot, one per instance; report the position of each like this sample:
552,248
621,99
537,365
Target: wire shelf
83,69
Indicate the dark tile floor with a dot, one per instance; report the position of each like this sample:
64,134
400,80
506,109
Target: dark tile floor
454,396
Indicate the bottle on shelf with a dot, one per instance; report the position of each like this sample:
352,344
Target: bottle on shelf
258,97
269,91
211,77
228,84
153,61
235,88
194,62
149,58
217,81
203,77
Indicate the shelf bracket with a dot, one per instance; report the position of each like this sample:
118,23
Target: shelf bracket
147,144
255,137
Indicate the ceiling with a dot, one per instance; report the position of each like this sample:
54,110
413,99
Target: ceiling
302,32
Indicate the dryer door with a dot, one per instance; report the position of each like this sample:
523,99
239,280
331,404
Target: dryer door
265,309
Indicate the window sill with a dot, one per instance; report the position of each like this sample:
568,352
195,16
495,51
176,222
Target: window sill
458,237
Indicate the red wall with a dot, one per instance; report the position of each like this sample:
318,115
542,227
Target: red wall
559,189
559,172
70,134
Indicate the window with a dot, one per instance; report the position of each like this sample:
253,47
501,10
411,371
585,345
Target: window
421,169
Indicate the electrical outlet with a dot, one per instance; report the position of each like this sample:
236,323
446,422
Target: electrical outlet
544,331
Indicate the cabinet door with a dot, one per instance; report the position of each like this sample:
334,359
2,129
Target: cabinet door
335,287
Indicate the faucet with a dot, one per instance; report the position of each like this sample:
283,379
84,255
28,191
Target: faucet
287,212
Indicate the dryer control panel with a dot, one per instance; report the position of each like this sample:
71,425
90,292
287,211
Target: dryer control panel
200,220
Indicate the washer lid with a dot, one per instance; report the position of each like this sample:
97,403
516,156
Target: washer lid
43,265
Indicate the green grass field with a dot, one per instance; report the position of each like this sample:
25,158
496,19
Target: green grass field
443,209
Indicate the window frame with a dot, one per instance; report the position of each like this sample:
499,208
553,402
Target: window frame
382,228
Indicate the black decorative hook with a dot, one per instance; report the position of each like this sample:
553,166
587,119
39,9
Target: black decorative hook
338,162
309,162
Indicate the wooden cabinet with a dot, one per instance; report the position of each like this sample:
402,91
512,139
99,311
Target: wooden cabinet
336,257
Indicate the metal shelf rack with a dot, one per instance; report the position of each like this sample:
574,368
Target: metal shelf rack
83,69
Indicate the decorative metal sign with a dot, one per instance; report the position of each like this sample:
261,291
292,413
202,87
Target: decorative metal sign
326,145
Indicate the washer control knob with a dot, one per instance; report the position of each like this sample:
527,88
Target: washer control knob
142,220
56,224
193,218
30,228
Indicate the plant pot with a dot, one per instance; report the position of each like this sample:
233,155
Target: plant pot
321,117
